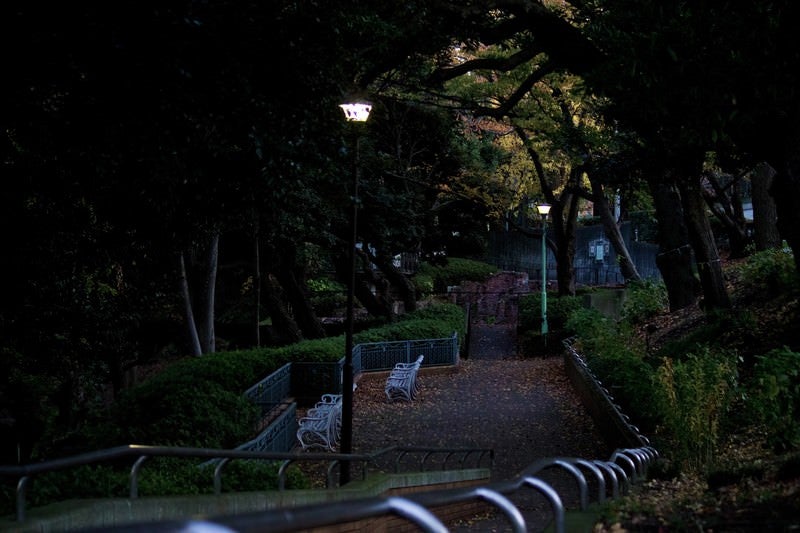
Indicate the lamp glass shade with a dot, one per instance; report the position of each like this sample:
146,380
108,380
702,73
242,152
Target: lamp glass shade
356,112
544,209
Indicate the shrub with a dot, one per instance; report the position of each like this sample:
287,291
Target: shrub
559,309
643,300
158,477
598,334
423,282
200,402
183,412
327,295
693,396
770,272
774,396
728,328
630,380
454,272
616,358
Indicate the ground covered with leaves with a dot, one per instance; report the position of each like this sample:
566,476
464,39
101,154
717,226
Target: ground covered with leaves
524,409
750,490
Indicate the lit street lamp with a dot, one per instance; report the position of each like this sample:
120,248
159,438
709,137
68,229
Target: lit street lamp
354,112
544,210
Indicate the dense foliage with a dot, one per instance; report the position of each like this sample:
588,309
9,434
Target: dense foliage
436,277
198,402
163,162
716,397
159,477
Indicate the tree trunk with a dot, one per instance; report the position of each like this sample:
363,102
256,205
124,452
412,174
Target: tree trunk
362,290
727,207
563,233
398,280
786,192
626,265
709,266
207,336
765,214
199,312
302,310
191,327
257,285
674,258
562,227
285,326
284,269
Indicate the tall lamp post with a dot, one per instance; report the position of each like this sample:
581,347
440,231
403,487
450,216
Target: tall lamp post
353,112
544,210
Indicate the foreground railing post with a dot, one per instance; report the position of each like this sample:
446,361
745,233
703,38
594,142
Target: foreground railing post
135,476
218,475
553,497
22,488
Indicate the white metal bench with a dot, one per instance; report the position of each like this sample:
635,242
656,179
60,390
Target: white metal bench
402,381
322,425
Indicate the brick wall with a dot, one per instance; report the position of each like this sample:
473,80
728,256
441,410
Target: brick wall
495,299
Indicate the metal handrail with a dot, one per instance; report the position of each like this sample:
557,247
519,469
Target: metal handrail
567,465
623,467
24,473
429,452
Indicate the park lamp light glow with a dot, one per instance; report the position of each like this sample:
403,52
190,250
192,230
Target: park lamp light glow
356,112
544,209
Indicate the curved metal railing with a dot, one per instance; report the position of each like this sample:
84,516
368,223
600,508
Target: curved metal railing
141,453
612,478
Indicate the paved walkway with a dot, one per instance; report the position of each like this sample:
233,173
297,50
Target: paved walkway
525,409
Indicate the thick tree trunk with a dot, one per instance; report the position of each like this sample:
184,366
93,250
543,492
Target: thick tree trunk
765,214
709,266
777,142
786,192
779,145
562,231
285,326
302,310
726,204
674,258
398,280
373,305
626,265
304,315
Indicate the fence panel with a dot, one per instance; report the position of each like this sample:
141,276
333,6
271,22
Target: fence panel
270,392
278,437
378,356
312,380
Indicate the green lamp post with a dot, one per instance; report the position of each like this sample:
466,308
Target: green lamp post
544,210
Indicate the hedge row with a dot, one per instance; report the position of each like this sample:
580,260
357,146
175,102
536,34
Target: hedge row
199,402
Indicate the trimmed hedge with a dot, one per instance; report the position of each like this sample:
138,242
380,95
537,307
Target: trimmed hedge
159,477
432,279
199,401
